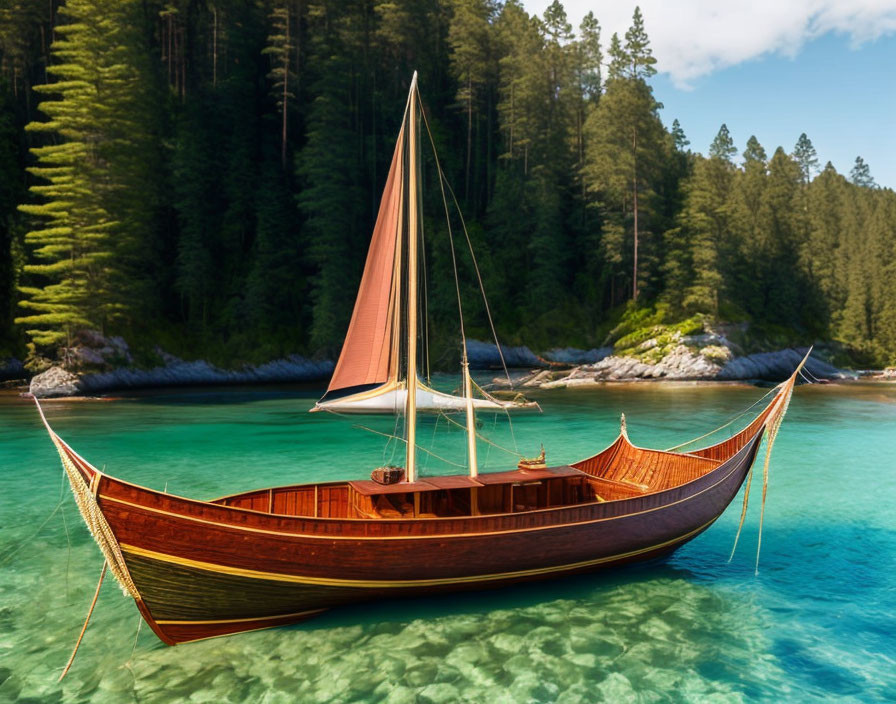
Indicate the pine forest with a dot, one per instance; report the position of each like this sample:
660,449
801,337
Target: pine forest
203,176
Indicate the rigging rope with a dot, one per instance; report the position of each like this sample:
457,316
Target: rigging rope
730,422
395,437
774,426
96,595
423,304
8,556
743,513
504,408
460,309
443,182
483,438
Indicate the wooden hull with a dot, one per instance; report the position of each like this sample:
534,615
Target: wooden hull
204,570
199,569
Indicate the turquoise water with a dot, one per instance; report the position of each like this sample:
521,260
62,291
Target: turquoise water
816,624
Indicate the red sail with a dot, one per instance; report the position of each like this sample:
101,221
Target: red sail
368,356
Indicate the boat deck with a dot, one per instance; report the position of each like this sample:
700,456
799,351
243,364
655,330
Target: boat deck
513,491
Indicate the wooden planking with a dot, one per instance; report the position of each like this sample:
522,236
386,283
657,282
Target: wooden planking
729,447
174,592
189,604
333,502
432,556
654,469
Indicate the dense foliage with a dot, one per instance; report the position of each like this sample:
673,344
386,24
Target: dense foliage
204,174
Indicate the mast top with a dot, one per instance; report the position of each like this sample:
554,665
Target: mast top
414,80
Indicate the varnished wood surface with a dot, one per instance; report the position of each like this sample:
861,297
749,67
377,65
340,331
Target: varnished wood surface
278,555
281,574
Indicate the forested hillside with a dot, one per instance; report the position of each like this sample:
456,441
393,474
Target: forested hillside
204,175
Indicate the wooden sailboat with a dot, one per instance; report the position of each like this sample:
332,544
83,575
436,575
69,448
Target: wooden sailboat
198,569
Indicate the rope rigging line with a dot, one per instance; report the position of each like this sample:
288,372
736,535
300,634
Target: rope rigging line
395,437
807,379
730,422
743,513
432,441
460,309
773,427
96,595
516,447
68,550
8,556
423,305
483,438
443,183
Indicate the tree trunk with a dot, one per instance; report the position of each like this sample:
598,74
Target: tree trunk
635,207
215,47
285,93
469,136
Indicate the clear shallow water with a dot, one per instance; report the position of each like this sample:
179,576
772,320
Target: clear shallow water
818,623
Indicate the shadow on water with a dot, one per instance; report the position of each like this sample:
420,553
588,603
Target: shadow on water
582,588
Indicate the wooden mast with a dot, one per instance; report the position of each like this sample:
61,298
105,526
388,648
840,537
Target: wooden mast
411,404
471,417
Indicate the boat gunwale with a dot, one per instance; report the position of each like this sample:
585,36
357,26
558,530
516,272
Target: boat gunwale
333,520
439,536
621,436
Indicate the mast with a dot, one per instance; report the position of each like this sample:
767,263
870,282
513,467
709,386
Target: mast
471,417
411,405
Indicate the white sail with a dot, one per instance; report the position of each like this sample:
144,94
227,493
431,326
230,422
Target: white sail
392,398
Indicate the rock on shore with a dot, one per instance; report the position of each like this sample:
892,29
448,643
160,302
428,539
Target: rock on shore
11,368
59,382
104,365
712,363
484,355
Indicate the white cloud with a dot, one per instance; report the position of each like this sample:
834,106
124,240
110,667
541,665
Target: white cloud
691,38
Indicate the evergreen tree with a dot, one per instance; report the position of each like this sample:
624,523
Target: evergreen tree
470,39
637,47
784,297
12,191
275,285
823,253
330,195
590,59
625,140
587,58
281,49
706,224
199,202
722,146
807,158
97,191
521,86
679,139
619,59
861,174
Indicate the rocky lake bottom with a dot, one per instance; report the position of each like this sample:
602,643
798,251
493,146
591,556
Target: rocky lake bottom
815,624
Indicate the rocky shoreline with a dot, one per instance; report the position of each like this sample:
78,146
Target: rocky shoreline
103,365
56,381
706,357
682,366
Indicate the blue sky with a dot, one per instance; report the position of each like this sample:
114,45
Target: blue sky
774,69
